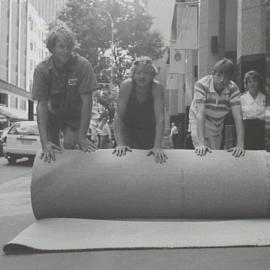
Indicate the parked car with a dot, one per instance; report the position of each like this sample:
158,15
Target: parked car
22,140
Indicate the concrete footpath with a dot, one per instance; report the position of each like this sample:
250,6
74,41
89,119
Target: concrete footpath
16,214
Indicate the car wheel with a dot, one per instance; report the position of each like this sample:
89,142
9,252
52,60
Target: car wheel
11,160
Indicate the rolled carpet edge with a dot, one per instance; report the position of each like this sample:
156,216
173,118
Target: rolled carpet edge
50,235
102,186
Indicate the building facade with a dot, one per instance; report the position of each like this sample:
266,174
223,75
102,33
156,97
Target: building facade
183,63
232,29
48,9
37,30
13,45
226,28
22,35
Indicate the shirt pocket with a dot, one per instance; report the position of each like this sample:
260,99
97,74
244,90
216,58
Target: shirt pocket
73,100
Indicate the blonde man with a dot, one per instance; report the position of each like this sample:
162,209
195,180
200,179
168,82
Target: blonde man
63,85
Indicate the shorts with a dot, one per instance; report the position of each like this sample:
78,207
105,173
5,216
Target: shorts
139,138
57,123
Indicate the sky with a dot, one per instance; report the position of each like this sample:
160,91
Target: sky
162,13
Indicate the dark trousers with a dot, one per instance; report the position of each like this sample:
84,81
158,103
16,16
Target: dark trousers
254,134
139,138
104,142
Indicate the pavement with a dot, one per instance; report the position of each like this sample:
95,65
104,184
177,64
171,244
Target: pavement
15,197
16,214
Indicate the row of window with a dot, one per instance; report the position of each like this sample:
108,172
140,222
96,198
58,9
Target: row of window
33,28
15,102
41,52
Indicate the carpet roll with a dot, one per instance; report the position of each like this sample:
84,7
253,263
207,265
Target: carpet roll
102,186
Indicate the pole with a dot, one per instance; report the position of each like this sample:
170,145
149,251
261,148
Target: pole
112,42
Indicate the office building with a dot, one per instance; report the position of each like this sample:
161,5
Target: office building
48,9
22,35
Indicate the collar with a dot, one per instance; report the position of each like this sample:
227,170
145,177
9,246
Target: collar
259,97
212,88
68,65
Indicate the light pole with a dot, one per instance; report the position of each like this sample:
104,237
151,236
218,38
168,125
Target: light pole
113,30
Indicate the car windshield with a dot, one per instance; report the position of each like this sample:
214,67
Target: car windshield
24,129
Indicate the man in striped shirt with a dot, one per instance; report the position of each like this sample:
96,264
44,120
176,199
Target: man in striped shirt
214,97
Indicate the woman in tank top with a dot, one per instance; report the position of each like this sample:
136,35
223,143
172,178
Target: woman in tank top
139,119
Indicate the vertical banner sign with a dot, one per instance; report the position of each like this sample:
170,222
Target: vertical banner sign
172,81
177,59
187,26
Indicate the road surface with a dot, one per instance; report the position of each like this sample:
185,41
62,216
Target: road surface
16,214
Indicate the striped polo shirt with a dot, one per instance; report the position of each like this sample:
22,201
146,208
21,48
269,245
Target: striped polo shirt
217,106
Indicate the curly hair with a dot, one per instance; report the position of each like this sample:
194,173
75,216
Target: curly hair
60,32
146,61
252,74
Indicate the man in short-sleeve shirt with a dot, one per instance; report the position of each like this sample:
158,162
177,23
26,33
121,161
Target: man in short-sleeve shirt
214,97
63,85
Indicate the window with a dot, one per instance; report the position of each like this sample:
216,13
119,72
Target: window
31,23
4,99
13,130
24,128
30,85
3,123
23,105
14,102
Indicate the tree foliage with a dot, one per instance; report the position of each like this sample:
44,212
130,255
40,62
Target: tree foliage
90,22
132,34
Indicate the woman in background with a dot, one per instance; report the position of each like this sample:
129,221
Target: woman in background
174,134
253,109
104,133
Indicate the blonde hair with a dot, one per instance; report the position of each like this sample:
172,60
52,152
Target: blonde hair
255,76
224,66
146,61
58,32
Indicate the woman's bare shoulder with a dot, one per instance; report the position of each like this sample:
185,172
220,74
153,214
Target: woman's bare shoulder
125,87
127,83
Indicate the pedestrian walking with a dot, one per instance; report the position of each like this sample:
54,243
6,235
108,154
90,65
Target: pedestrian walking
253,108
174,135
104,133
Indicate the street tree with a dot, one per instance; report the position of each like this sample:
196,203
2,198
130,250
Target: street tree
91,24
